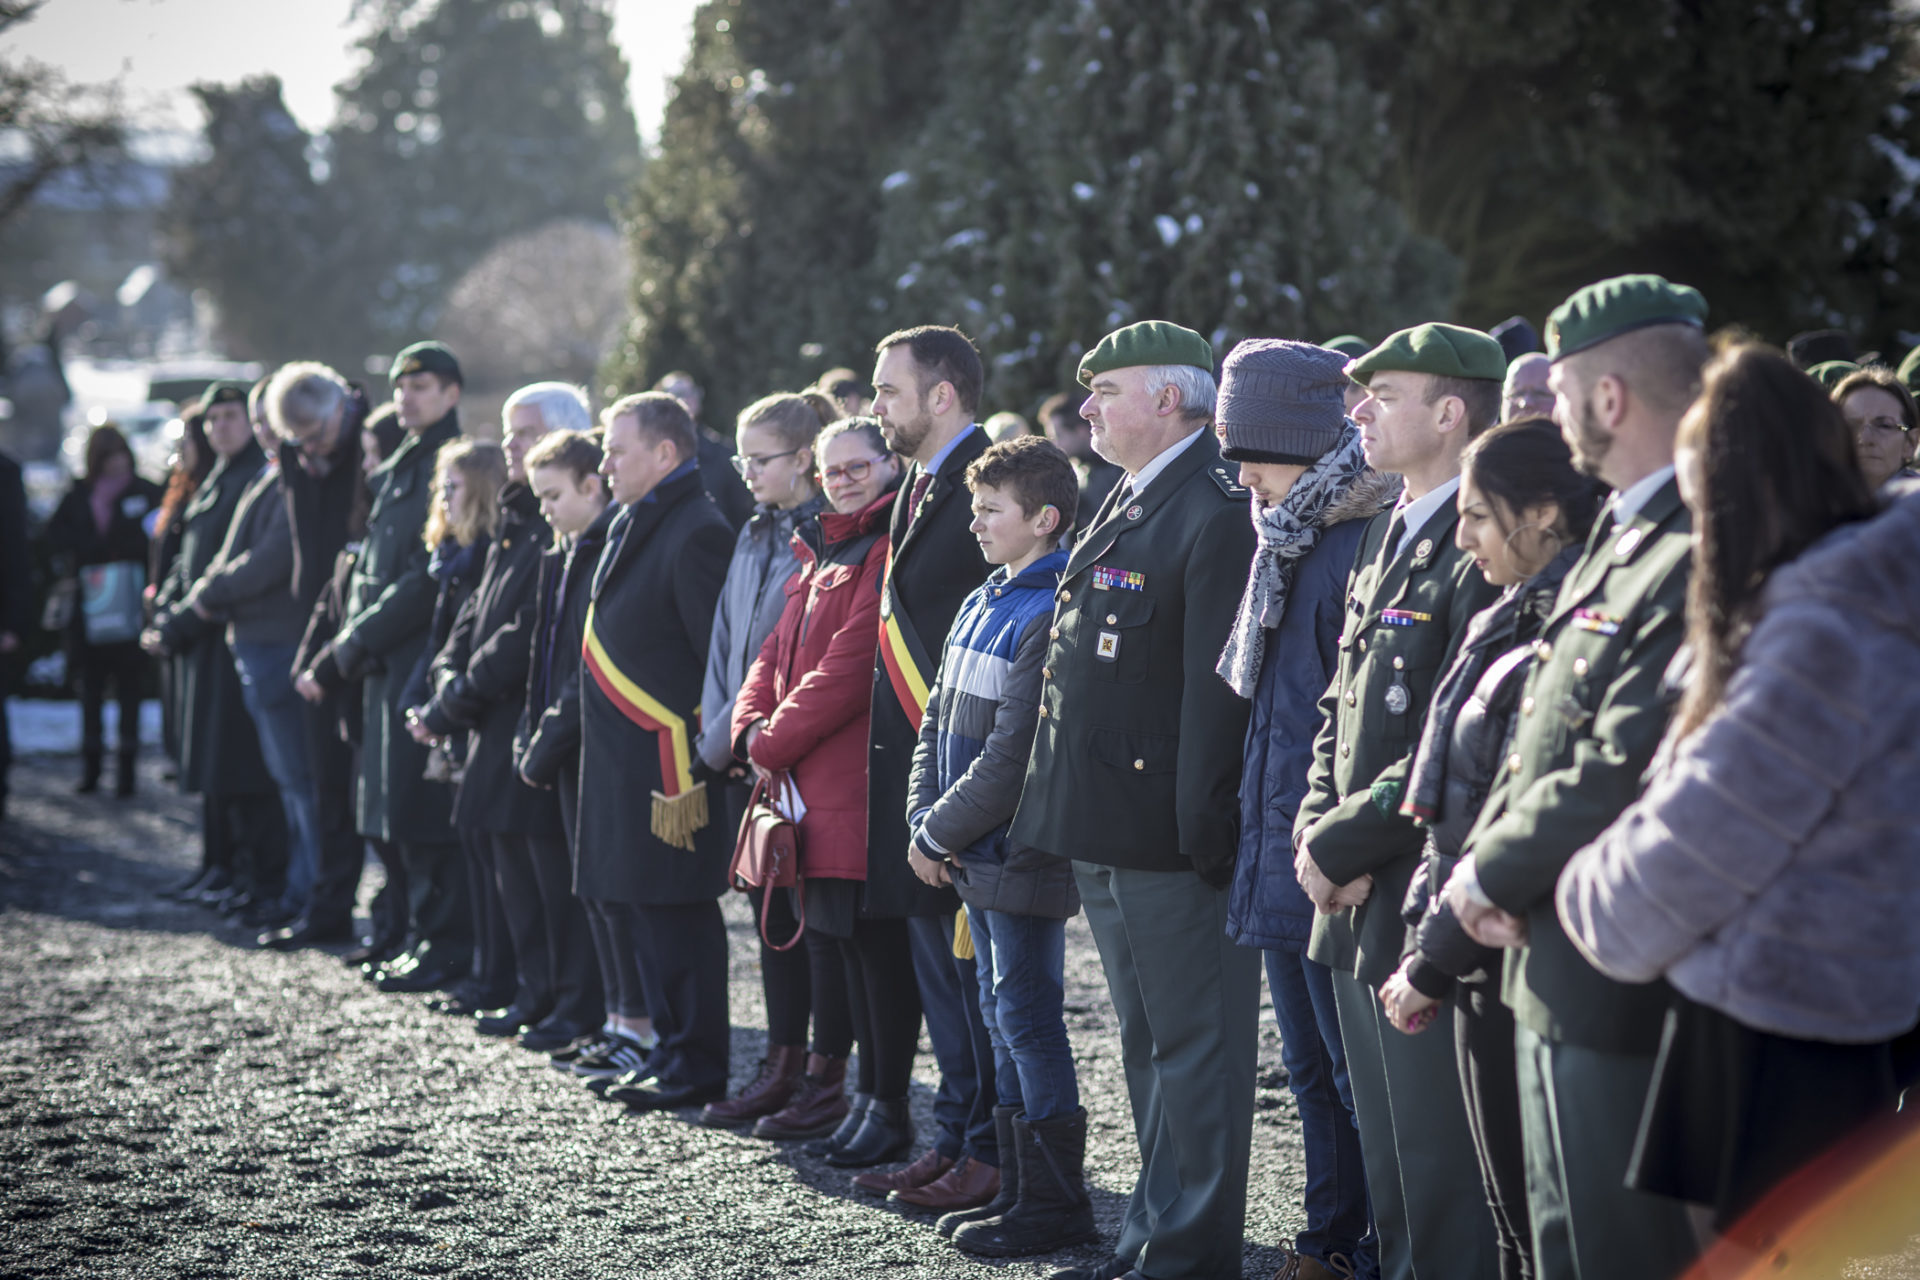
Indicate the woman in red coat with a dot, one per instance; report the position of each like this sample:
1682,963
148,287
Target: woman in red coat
802,714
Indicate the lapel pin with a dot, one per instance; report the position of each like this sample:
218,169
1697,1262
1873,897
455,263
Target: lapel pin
1628,541
1424,549
1133,512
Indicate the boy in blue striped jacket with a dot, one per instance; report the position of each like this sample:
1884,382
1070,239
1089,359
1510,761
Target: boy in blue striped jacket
967,774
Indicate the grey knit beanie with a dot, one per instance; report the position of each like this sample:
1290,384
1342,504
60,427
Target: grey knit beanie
1281,401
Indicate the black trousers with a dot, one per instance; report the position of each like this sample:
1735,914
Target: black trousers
342,851
494,960
615,932
1490,1085
879,963
97,666
390,904
683,965
437,899
246,835
837,1020
558,975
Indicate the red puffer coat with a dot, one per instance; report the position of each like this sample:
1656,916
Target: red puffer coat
813,685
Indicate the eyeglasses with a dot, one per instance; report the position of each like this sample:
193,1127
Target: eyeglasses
1886,426
754,465
854,471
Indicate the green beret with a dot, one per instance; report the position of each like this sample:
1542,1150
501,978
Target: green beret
1444,350
1910,367
224,391
425,357
1830,373
1151,342
1620,305
1350,345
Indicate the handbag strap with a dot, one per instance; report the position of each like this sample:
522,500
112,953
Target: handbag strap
799,896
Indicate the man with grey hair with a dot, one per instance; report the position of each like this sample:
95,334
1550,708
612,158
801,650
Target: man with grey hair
1135,776
316,415
520,882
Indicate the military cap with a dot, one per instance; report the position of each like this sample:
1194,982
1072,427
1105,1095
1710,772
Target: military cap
1150,342
1444,350
1909,369
426,357
1620,305
1350,345
224,391
1830,373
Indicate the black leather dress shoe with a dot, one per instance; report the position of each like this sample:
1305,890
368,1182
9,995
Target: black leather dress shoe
216,887
182,890
510,1021
270,913
397,963
661,1093
547,1036
428,975
306,933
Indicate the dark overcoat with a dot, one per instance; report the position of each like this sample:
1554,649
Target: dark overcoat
548,745
219,749
480,676
1405,616
651,612
389,612
1138,756
934,565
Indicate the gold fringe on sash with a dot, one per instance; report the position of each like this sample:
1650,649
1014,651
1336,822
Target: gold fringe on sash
962,936
676,818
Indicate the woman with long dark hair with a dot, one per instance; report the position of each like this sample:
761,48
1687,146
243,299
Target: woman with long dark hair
98,537
1525,512
1771,870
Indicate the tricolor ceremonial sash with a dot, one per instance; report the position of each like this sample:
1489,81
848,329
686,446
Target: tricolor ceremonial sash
908,670
680,805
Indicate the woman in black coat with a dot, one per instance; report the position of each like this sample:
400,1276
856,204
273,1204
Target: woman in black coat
98,538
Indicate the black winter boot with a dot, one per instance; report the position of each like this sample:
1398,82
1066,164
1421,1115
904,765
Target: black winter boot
840,1137
1008,1144
1053,1211
886,1133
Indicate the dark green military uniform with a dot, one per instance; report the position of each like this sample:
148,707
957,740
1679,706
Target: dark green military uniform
1409,601
1135,775
1591,718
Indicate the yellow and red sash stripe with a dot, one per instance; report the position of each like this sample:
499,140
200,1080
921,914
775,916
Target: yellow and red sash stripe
641,707
901,654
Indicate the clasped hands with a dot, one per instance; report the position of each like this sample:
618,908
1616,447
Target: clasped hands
1327,896
1485,923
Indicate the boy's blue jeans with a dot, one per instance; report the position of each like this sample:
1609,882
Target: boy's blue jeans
1022,966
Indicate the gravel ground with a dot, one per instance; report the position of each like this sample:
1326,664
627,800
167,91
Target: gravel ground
174,1102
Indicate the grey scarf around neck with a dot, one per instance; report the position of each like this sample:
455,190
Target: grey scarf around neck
1287,531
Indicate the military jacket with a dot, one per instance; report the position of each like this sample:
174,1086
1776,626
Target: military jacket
1591,717
1137,759
1406,613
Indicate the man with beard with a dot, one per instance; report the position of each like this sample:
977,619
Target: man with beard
1067,429
927,384
1627,354
389,613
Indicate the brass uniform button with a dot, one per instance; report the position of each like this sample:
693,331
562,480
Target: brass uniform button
1351,700
1140,764
1113,620
1526,705
1046,673
1579,666
1043,711
1513,763
1053,633
1545,650
1065,595
1399,663
1363,644
1345,750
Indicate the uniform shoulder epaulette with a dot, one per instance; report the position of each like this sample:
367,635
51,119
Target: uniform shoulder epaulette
1223,476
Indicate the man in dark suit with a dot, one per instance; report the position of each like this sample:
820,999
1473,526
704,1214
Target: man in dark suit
1135,776
646,838
1411,595
927,385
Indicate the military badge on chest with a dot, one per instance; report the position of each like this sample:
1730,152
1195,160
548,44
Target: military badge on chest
1107,646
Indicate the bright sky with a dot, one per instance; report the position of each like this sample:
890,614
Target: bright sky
162,46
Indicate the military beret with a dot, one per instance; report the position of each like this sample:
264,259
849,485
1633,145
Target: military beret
1620,305
425,357
1350,345
1830,373
1910,367
1444,350
224,391
1151,342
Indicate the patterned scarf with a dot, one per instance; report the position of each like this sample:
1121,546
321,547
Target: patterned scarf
1287,531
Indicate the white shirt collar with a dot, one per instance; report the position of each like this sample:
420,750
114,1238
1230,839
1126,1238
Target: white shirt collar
1627,503
1415,514
1162,461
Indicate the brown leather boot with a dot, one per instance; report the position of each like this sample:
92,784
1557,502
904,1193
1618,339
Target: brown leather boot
772,1089
816,1107
918,1174
967,1185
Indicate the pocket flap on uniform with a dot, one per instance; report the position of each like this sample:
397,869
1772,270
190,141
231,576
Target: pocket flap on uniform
1119,608
1134,752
